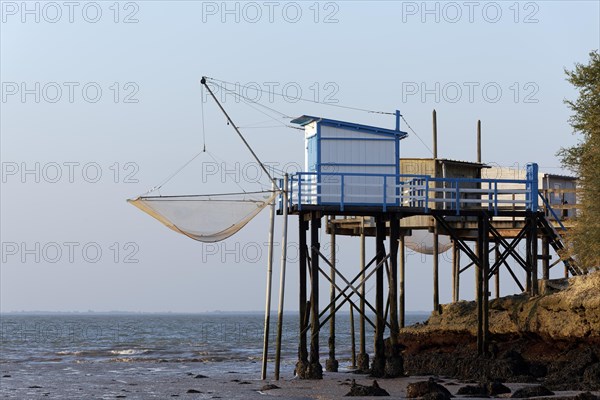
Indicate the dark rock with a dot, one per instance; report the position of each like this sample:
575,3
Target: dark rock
193,391
200,376
591,375
538,369
361,390
6,376
496,388
34,387
470,390
270,386
120,396
420,389
531,391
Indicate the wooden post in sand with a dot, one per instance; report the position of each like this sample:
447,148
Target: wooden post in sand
545,258
282,277
455,272
315,370
401,278
497,273
263,374
363,356
302,264
331,365
378,365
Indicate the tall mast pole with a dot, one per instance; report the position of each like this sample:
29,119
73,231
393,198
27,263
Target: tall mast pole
203,81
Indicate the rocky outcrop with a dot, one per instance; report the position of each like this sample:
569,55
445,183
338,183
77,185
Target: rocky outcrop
553,339
569,314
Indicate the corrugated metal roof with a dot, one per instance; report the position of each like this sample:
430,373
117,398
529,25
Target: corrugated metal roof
307,119
447,160
567,177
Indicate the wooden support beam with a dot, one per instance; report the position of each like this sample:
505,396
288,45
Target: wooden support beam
497,272
378,365
485,261
315,370
533,253
394,364
363,356
528,257
545,257
436,271
331,365
455,272
510,248
352,338
401,278
302,363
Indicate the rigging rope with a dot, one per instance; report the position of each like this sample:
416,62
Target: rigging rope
418,137
307,100
202,112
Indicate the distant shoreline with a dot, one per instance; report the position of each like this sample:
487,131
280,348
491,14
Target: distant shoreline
217,312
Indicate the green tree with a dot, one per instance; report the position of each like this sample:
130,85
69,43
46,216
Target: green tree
584,160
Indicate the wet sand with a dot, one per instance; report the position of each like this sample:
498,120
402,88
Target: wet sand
140,380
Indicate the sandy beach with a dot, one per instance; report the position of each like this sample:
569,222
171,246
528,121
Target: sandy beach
140,380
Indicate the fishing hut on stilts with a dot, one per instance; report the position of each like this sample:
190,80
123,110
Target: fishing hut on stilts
355,183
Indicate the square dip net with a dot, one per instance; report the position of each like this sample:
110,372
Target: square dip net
206,218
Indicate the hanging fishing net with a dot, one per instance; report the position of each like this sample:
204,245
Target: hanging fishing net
206,218
421,241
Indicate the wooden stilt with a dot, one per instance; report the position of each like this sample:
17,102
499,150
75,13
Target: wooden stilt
479,287
363,356
534,256
436,283
352,337
263,374
302,364
485,272
315,370
456,272
401,278
378,365
393,364
331,364
528,257
497,273
545,258
282,278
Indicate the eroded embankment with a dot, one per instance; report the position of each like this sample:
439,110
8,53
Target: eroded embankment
553,338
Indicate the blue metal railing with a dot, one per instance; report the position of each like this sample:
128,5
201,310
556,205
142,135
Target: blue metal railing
419,191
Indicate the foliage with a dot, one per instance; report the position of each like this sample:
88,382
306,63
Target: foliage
584,160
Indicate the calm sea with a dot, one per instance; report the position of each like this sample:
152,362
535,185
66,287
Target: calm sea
149,356
210,338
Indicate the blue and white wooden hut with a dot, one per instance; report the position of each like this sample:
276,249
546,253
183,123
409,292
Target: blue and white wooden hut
348,163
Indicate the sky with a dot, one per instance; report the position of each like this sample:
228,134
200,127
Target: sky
101,101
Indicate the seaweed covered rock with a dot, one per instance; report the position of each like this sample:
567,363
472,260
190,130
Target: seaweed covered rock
357,390
531,391
429,387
